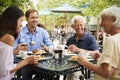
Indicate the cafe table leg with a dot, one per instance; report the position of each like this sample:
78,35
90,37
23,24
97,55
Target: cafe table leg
18,73
64,78
89,73
84,72
56,77
52,77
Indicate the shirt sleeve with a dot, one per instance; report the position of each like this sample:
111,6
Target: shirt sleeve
47,40
110,53
6,61
67,43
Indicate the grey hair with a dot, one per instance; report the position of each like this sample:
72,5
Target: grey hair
81,18
112,11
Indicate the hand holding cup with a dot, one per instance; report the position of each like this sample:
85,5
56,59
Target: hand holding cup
32,59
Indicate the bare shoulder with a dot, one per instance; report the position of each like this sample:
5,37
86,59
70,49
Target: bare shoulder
8,39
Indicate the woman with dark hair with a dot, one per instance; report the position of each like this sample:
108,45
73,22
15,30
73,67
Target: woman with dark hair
10,23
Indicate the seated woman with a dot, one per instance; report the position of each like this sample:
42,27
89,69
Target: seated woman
10,23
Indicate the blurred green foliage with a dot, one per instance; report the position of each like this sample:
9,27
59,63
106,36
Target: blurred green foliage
23,4
88,7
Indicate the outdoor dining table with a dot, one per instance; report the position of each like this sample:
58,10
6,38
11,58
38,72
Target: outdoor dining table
56,67
51,66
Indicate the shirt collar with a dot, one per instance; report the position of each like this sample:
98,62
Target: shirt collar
27,31
83,37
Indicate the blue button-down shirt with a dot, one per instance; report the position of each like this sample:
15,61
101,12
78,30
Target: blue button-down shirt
40,36
87,42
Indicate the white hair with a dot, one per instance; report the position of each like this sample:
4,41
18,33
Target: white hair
112,11
81,18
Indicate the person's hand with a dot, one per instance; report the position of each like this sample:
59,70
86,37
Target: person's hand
81,60
32,59
95,54
44,47
73,48
22,47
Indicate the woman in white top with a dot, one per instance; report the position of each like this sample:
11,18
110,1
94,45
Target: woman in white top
108,64
10,23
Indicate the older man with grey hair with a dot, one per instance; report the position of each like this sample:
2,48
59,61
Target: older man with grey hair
80,42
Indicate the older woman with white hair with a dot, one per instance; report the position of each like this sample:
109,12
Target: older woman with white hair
108,64
81,42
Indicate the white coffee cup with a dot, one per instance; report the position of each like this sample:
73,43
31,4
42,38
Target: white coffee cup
23,54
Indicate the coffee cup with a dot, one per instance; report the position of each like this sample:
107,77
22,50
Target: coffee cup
23,54
58,54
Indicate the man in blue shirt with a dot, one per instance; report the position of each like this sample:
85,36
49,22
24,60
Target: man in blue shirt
33,41
86,41
32,36
79,43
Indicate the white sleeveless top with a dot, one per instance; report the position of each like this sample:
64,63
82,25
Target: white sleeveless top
6,61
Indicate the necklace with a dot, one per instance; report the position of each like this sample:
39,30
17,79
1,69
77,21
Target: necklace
32,42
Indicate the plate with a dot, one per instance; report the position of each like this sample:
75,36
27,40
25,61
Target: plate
71,60
18,56
70,54
45,58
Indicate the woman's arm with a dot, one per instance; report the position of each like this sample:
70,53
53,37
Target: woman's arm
100,70
20,47
9,40
29,60
19,65
95,54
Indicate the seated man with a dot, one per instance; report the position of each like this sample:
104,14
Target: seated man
80,42
32,36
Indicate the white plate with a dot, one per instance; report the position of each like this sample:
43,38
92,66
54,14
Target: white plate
30,52
70,54
22,57
18,56
45,58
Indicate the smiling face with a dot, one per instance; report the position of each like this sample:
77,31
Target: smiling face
78,26
106,23
32,20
